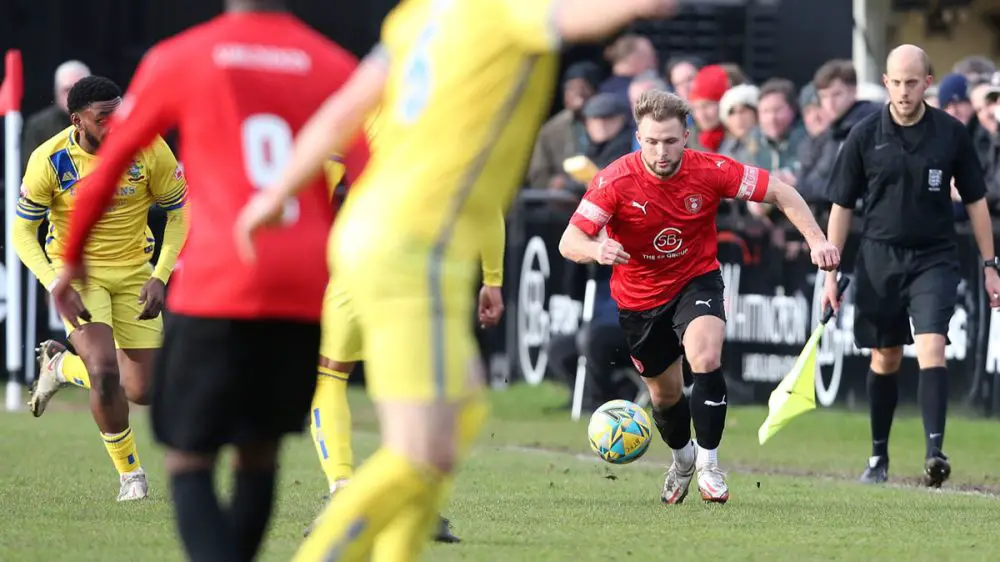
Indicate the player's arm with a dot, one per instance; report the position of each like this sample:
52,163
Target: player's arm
584,240
971,187
146,112
787,199
169,187
494,239
335,127
32,205
542,24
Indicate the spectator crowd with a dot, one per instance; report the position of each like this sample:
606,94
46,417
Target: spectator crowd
794,133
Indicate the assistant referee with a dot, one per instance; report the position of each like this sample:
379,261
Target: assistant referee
902,162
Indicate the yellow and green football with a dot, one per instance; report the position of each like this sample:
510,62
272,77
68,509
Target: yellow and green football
620,431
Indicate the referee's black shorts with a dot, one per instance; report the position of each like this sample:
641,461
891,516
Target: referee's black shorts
895,285
225,381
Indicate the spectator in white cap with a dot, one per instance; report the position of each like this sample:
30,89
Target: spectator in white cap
738,109
41,126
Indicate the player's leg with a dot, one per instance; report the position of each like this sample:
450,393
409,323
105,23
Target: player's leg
881,325
138,340
700,322
194,406
421,390
656,354
932,295
267,414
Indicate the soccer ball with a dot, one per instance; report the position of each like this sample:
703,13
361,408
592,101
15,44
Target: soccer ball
620,431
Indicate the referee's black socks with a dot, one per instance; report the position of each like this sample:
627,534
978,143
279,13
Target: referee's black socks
708,408
204,529
933,395
674,423
250,509
883,395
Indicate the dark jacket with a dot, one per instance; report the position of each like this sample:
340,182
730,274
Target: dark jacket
818,155
561,137
39,128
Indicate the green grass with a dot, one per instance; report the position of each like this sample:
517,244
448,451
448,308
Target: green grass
532,491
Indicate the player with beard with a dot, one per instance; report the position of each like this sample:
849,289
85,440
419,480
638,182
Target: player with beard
902,163
651,215
124,295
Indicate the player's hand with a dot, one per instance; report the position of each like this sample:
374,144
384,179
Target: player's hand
825,256
68,301
152,297
656,8
831,296
992,284
610,252
263,209
490,306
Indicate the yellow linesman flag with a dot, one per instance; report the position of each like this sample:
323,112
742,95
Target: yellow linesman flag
797,391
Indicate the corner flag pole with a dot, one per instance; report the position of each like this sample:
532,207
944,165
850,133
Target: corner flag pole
11,92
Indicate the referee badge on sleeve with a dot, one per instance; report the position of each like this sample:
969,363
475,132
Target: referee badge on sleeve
934,180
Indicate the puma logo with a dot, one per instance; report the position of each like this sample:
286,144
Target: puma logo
640,207
707,303
719,163
716,404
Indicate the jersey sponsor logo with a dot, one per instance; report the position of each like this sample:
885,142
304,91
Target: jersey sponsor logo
748,184
669,241
692,203
134,172
641,207
934,179
593,213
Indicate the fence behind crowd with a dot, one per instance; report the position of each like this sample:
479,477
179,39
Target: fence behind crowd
773,297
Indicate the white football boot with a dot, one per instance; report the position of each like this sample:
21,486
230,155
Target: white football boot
134,486
679,475
337,486
48,382
711,479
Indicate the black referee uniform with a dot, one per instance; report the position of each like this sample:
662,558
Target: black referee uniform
907,266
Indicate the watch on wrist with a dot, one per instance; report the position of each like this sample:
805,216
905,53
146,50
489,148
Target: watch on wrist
993,263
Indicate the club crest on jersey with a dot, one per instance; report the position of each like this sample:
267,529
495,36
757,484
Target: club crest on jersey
135,172
934,179
692,203
179,172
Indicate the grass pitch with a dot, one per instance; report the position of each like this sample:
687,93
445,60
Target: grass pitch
532,491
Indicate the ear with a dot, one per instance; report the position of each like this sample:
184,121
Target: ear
885,81
75,119
928,81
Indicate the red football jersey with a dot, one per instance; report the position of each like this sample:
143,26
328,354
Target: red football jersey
238,89
666,226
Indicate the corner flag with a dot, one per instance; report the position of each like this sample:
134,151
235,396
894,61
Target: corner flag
797,391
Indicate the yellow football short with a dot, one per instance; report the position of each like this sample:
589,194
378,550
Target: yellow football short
341,337
415,311
112,297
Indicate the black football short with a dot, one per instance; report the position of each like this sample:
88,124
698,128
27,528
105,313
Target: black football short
655,337
225,381
894,285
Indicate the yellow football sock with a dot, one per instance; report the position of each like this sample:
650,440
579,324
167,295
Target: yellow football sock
72,370
410,532
121,448
330,425
385,485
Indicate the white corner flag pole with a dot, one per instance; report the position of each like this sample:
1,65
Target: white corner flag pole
581,362
10,107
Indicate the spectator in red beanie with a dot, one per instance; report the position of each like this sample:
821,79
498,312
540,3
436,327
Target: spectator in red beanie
706,91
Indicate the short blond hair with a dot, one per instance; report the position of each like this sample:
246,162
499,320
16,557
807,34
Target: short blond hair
660,105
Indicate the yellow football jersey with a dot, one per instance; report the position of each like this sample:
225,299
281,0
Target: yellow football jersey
333,168
469,84
121,237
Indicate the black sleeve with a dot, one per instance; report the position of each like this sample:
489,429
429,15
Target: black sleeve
967,170
848,180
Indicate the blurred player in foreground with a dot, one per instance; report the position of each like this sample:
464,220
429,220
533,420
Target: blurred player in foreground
341,350
463,87
651,215
239,357
125,294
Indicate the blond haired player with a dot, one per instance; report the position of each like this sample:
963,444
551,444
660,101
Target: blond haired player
115,348
463,87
